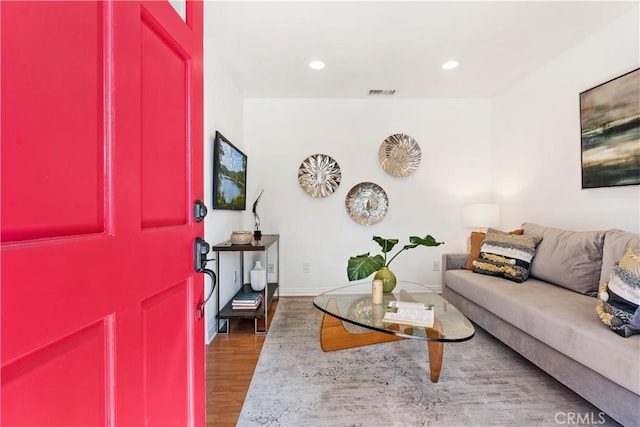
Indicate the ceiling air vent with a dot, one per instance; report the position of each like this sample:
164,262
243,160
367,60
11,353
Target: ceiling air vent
382,91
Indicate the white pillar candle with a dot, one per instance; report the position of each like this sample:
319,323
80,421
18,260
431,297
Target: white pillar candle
376,292
377,311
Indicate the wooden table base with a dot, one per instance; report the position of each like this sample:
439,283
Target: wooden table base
334,336
436,351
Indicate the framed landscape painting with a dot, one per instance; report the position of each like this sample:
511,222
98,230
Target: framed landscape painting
229,175
610,132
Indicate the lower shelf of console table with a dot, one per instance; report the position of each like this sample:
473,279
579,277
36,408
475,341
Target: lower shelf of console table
260,313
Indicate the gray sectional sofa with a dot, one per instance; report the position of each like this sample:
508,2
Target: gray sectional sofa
551,318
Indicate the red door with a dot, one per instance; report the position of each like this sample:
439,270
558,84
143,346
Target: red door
101,163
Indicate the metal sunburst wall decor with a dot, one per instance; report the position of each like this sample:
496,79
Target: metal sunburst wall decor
366,203
319,175
399,155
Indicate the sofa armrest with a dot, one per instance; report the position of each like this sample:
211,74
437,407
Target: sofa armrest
452,262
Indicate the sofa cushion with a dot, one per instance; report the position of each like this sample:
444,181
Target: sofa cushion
475,241
563,320
616,243
571,259
619,305
505,255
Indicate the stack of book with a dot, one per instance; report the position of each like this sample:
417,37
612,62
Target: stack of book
249,301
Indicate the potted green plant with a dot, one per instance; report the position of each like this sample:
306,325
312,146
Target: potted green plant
362,266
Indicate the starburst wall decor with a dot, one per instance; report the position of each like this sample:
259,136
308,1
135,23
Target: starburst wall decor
319,175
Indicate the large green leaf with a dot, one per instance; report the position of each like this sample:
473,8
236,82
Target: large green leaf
428,240
362,266
385,244
415,242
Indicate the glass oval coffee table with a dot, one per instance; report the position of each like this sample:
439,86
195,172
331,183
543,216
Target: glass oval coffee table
353,304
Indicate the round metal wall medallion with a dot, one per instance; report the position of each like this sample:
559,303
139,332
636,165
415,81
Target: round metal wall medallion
399,155
319,175
367,203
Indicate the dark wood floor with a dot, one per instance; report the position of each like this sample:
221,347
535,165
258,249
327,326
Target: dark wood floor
231,360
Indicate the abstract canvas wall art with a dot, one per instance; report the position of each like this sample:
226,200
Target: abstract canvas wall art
610,132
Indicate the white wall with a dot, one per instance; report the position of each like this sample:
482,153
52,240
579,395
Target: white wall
536,127
454,136
222,112
521,149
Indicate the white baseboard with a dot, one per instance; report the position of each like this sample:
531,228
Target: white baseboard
210,335
312,292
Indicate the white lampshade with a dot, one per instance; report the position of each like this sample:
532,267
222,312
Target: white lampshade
481,215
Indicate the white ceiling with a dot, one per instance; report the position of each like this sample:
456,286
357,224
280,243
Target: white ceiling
266,45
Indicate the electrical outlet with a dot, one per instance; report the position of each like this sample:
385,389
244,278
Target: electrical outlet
436,265
271,268
306,267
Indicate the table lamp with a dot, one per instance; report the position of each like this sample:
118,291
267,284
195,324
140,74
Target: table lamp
481,216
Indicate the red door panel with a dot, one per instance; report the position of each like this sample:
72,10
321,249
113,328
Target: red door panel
35,111
47,377
51,288
101,108
164,72
166,367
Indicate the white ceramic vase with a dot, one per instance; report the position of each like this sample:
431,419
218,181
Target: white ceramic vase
258,277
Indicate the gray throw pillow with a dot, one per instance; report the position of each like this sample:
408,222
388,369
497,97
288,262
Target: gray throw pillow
571,259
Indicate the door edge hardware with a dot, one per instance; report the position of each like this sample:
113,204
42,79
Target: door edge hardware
200,250
199,210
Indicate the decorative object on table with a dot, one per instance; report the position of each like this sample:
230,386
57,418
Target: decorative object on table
360,309
610,132
241,237
362,266
319,175
410,313
258,277
364,308
376,291
399,155
387,277
367,203
248,301
257,234
229,175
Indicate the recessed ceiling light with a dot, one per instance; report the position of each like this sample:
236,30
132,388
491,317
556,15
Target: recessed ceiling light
316,65
450,65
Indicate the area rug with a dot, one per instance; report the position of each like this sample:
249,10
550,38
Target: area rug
482,383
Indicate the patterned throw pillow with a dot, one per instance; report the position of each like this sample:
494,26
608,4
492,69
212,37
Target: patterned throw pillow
475,241
506,255
619,299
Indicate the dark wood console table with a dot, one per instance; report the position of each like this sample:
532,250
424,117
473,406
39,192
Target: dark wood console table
270,291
